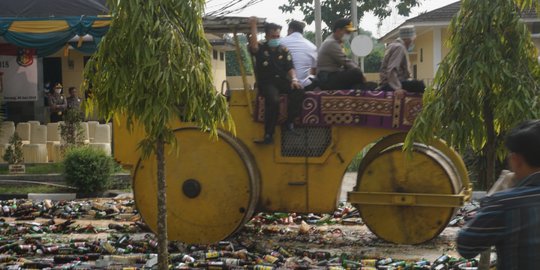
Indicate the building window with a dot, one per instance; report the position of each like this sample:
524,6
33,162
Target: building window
215,54
415,72
421,55
222,56
535,28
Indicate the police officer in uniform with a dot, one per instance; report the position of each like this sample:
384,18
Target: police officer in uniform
58,104
275,75
73,101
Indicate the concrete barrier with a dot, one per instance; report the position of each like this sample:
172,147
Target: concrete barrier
52,196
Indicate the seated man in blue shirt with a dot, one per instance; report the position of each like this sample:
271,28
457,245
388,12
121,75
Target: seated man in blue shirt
509,219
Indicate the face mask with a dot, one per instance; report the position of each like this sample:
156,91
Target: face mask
346,37
273,42
57,90
411,47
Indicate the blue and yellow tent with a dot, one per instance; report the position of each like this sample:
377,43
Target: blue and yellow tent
49,25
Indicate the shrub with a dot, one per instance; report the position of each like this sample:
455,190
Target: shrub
71,130
13,154
89,170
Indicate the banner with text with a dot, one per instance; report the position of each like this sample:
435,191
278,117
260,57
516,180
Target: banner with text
20,74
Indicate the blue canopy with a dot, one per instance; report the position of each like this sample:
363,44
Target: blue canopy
48,25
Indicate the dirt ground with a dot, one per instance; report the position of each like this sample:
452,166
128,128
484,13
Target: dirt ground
356,240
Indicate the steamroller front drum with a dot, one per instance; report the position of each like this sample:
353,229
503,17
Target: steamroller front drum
213,187
428,170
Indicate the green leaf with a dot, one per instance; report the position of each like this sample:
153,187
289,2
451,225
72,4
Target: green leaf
488,82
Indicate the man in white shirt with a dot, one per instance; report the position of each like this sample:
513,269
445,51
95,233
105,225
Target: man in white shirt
304,53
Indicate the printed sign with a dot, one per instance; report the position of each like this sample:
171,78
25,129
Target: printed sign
17,168
20,74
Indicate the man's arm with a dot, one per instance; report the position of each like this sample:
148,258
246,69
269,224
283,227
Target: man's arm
295,84
395,57
505,181
52,103
313,55
253,42
336,53
291,72
484,231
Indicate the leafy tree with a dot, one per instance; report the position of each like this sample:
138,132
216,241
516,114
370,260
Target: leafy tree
372,62
486,84
310,35
232,66
331,10
153,67
523,4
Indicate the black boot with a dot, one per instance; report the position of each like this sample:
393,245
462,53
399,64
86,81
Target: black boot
289,126
266,140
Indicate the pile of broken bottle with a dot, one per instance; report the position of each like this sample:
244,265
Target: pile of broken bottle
87,209
26,244
123,252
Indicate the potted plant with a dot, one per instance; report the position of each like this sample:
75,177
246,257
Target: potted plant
14,155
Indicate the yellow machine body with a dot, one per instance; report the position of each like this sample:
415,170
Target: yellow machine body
290,184
402,199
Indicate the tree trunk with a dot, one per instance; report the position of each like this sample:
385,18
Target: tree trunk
489,151
489,159
163,253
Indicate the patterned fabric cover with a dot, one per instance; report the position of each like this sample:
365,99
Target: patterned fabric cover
352,108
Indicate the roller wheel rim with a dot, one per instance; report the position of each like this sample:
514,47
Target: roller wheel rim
213,187
407,224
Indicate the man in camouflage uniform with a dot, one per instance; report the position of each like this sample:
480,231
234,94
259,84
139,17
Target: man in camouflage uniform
275,73
58,104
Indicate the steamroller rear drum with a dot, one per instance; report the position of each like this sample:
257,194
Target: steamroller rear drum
213,186
436,169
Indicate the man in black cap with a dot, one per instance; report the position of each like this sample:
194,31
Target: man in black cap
334,70
274,70
58,104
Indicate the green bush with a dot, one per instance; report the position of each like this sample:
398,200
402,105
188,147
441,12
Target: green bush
14,154
89,170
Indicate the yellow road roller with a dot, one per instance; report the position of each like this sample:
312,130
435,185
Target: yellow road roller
214,186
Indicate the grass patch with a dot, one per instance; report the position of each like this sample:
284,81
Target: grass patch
48,168
38,168
31,188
